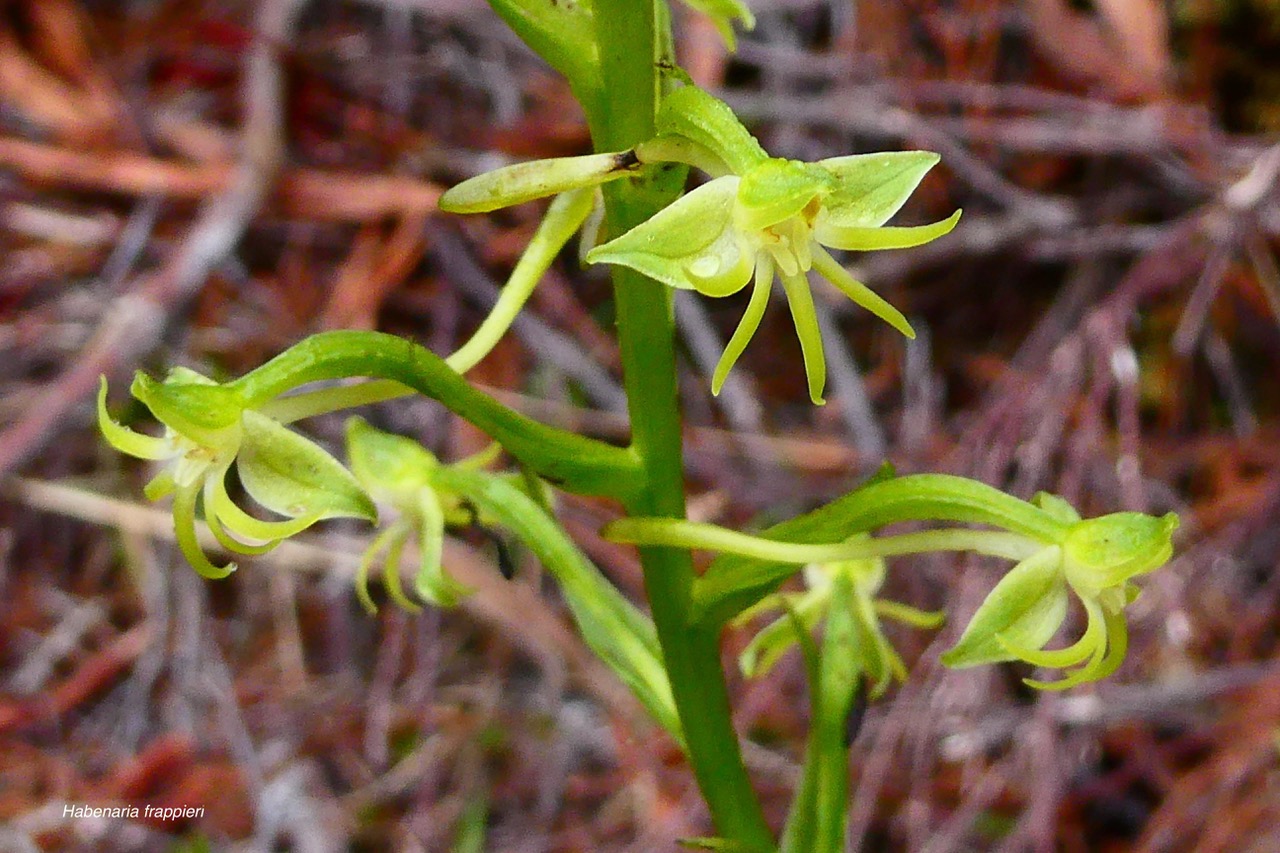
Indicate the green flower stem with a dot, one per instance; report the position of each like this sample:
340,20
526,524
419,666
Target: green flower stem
839,671
733,583
570,461
567,213
628,45
310,404
691,534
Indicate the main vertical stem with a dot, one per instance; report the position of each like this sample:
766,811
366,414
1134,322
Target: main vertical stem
626,34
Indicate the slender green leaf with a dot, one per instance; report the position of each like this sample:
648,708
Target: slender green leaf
614,628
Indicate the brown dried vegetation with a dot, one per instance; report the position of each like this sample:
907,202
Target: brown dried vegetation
205,183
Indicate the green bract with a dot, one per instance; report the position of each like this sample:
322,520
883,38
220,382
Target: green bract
765,216
207,428
563,32
523,182
1095,561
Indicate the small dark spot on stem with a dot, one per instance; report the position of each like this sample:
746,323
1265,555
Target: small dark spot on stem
625,160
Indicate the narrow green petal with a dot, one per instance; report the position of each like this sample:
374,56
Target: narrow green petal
833,272
184,529
124,439
362,582
523,182
912,616
1081,675
747,326
879,660
220,533
893,669
775,639
565,215
691,244
768,604
362,571
1117,646
231,543
246,526
432,583
863,239
160,486
391,568
1093,638
1105,661
800,299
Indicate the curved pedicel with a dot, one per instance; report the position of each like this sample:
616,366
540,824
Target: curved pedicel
733,583
567,460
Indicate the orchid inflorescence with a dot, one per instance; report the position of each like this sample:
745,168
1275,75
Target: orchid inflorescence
755,219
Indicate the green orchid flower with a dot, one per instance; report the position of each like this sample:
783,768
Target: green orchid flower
875,656
762,217
401,473
208,428
1057,555
1096,562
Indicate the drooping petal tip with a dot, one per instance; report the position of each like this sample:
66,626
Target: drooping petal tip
124,439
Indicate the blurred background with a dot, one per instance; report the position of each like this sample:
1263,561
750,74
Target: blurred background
1104,324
